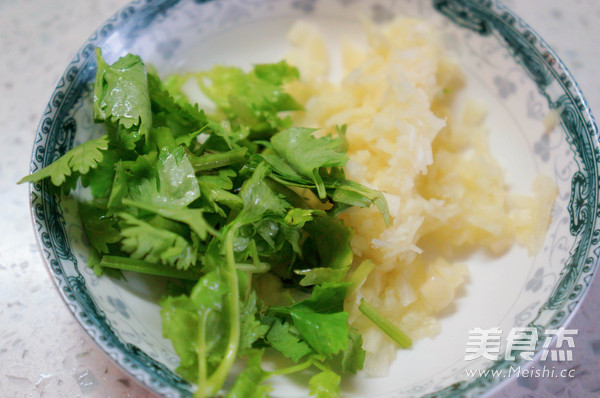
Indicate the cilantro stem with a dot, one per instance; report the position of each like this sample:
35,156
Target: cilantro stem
217,160
216,380
385,325
260,268
201,350
130,264
321,366
292,369
360,275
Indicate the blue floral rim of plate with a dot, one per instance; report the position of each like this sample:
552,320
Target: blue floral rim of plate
55,136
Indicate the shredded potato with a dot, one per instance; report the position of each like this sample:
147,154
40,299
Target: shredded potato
445,191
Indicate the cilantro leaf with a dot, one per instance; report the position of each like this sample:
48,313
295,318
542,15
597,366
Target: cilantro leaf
252,99
327,298
175,183
79,160
286,339
172,111
327,334
197,326
248,382
276,74
146,242
250,328
351,193
307,154
353,357
99,229
215,190
259,200
325,384
320,319
343,193
298,217
100,178
192,217
332,239
121,96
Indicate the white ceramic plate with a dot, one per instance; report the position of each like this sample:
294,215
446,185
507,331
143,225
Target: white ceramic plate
508,67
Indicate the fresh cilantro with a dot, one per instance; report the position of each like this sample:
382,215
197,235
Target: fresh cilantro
100,178
332,239
252,99
121,96
307,154
353,357
79,161
320,319
298,217
119,189
144,241
197,327
100,230
286,339
248,383
327,334
325,384
173,185
276,74
192,217
258,198
250,326
212,202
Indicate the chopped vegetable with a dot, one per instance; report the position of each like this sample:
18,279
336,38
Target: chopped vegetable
386,326
212,200
73,164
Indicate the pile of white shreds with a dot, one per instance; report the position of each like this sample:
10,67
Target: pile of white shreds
445,191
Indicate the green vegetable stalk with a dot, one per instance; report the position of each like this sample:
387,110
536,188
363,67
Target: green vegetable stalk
384,324
215,381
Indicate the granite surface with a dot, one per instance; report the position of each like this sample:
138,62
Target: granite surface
43,351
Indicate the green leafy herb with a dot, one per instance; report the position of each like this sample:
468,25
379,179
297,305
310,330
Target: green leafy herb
197,326
100,229
145,241
248,383
332,239
307,154
173,185
78,161
121,96
251,99
320,319
325,384
213,203
287,340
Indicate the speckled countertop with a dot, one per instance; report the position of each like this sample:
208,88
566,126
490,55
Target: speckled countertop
43,351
